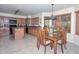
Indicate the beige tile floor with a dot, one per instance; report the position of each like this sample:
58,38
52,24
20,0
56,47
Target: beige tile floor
27,45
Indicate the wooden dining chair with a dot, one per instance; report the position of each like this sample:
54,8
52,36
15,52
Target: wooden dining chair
57,40
64,37
41,40
47,34
60,35
54,40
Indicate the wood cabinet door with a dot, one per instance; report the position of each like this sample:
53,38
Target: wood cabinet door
35,21
77,23
19,33
20,21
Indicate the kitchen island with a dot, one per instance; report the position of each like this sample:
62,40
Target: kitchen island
19,33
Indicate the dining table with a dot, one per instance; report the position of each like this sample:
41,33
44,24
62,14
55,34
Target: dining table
54,39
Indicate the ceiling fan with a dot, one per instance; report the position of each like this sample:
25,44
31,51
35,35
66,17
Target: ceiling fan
16,11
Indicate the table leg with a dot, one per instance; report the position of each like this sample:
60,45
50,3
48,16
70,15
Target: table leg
38,44
52,44
55,47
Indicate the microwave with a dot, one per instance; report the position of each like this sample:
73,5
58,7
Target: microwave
12,22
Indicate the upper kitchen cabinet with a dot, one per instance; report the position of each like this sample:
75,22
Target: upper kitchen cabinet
66,22
20,21
34,21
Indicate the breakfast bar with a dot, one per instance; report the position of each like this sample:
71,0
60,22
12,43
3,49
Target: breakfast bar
19,33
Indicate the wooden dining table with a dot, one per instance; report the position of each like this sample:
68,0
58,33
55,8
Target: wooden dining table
54,41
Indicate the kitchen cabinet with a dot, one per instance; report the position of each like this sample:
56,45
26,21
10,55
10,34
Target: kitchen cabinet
35,21
33,31
20,21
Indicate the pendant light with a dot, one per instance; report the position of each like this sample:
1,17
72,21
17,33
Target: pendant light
52,17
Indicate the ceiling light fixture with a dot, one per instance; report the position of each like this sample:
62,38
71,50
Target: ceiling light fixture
52,17
16,11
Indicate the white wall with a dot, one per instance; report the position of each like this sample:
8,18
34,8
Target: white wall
63,11
59,12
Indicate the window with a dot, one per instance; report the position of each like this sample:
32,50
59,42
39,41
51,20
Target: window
47,22
66,22
4,22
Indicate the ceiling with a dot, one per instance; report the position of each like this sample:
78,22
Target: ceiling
30,9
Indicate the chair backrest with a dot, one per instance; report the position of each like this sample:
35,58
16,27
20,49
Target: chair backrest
60,32
62,35
41,36
46,30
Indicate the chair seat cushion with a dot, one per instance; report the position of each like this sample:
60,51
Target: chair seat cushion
47,42
59,41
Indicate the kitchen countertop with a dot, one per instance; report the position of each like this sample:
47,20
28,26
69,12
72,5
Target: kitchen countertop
33,26
25,27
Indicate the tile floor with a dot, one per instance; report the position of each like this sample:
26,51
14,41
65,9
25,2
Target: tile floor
28,46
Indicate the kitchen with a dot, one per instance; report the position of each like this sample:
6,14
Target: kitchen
24,25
